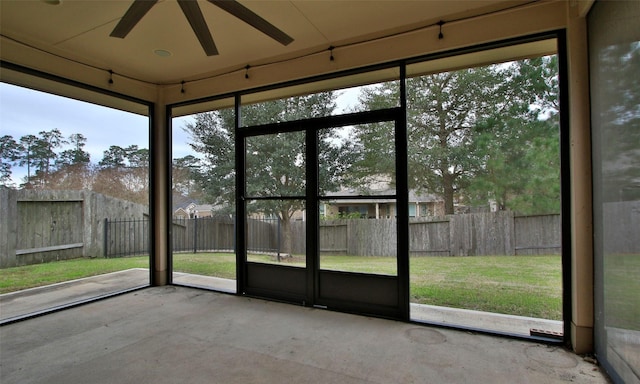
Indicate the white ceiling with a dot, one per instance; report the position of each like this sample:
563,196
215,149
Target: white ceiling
79,30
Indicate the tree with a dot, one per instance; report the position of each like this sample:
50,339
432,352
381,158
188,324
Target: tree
212,136
186,177
463,126
9,150
275,163
114,157
441,111
76,154
49,141
124,173
136,174
27,153
520,147
73,166
39,153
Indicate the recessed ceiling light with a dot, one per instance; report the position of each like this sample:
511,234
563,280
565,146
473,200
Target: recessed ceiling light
52,2
162,52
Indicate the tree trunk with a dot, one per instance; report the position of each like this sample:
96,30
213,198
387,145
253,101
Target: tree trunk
286,240
447,186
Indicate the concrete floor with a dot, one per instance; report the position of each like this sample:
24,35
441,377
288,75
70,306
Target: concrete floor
184,335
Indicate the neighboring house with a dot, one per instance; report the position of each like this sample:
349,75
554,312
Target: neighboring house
193,210
180,205
201,210
420,205
181,213
188,208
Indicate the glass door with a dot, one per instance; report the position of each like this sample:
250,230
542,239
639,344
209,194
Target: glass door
321,215
358,220
273,203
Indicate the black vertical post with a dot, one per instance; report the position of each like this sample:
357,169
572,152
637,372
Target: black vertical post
145,235
119,236
402,200
106,237
278,238
136,238
312,248
235,222
195,234
126,228
241,217
565,185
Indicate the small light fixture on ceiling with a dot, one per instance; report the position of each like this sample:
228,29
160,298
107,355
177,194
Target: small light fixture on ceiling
52,2
440,34
162,52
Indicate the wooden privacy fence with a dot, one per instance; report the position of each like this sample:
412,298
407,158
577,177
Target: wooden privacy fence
477,234
41,226
38,226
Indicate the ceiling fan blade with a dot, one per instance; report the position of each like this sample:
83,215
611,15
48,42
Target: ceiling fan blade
192,12
245,14
133,15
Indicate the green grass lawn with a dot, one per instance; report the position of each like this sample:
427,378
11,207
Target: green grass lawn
519,285
18,278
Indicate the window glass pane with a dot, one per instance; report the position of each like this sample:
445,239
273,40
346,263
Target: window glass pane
357,160
74,187
614,50
276,232
349,242
484,155
203,194
289,109
357,179
319,99
275,165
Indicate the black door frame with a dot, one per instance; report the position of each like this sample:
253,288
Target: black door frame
378,295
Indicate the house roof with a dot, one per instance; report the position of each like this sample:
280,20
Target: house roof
370,196
180,201
203,207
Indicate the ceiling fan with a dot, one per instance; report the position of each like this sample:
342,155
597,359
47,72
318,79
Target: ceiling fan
192,12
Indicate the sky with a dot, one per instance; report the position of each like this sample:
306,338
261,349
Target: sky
24,111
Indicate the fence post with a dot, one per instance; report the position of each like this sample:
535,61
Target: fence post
235,222
195,234
278,239
106,238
